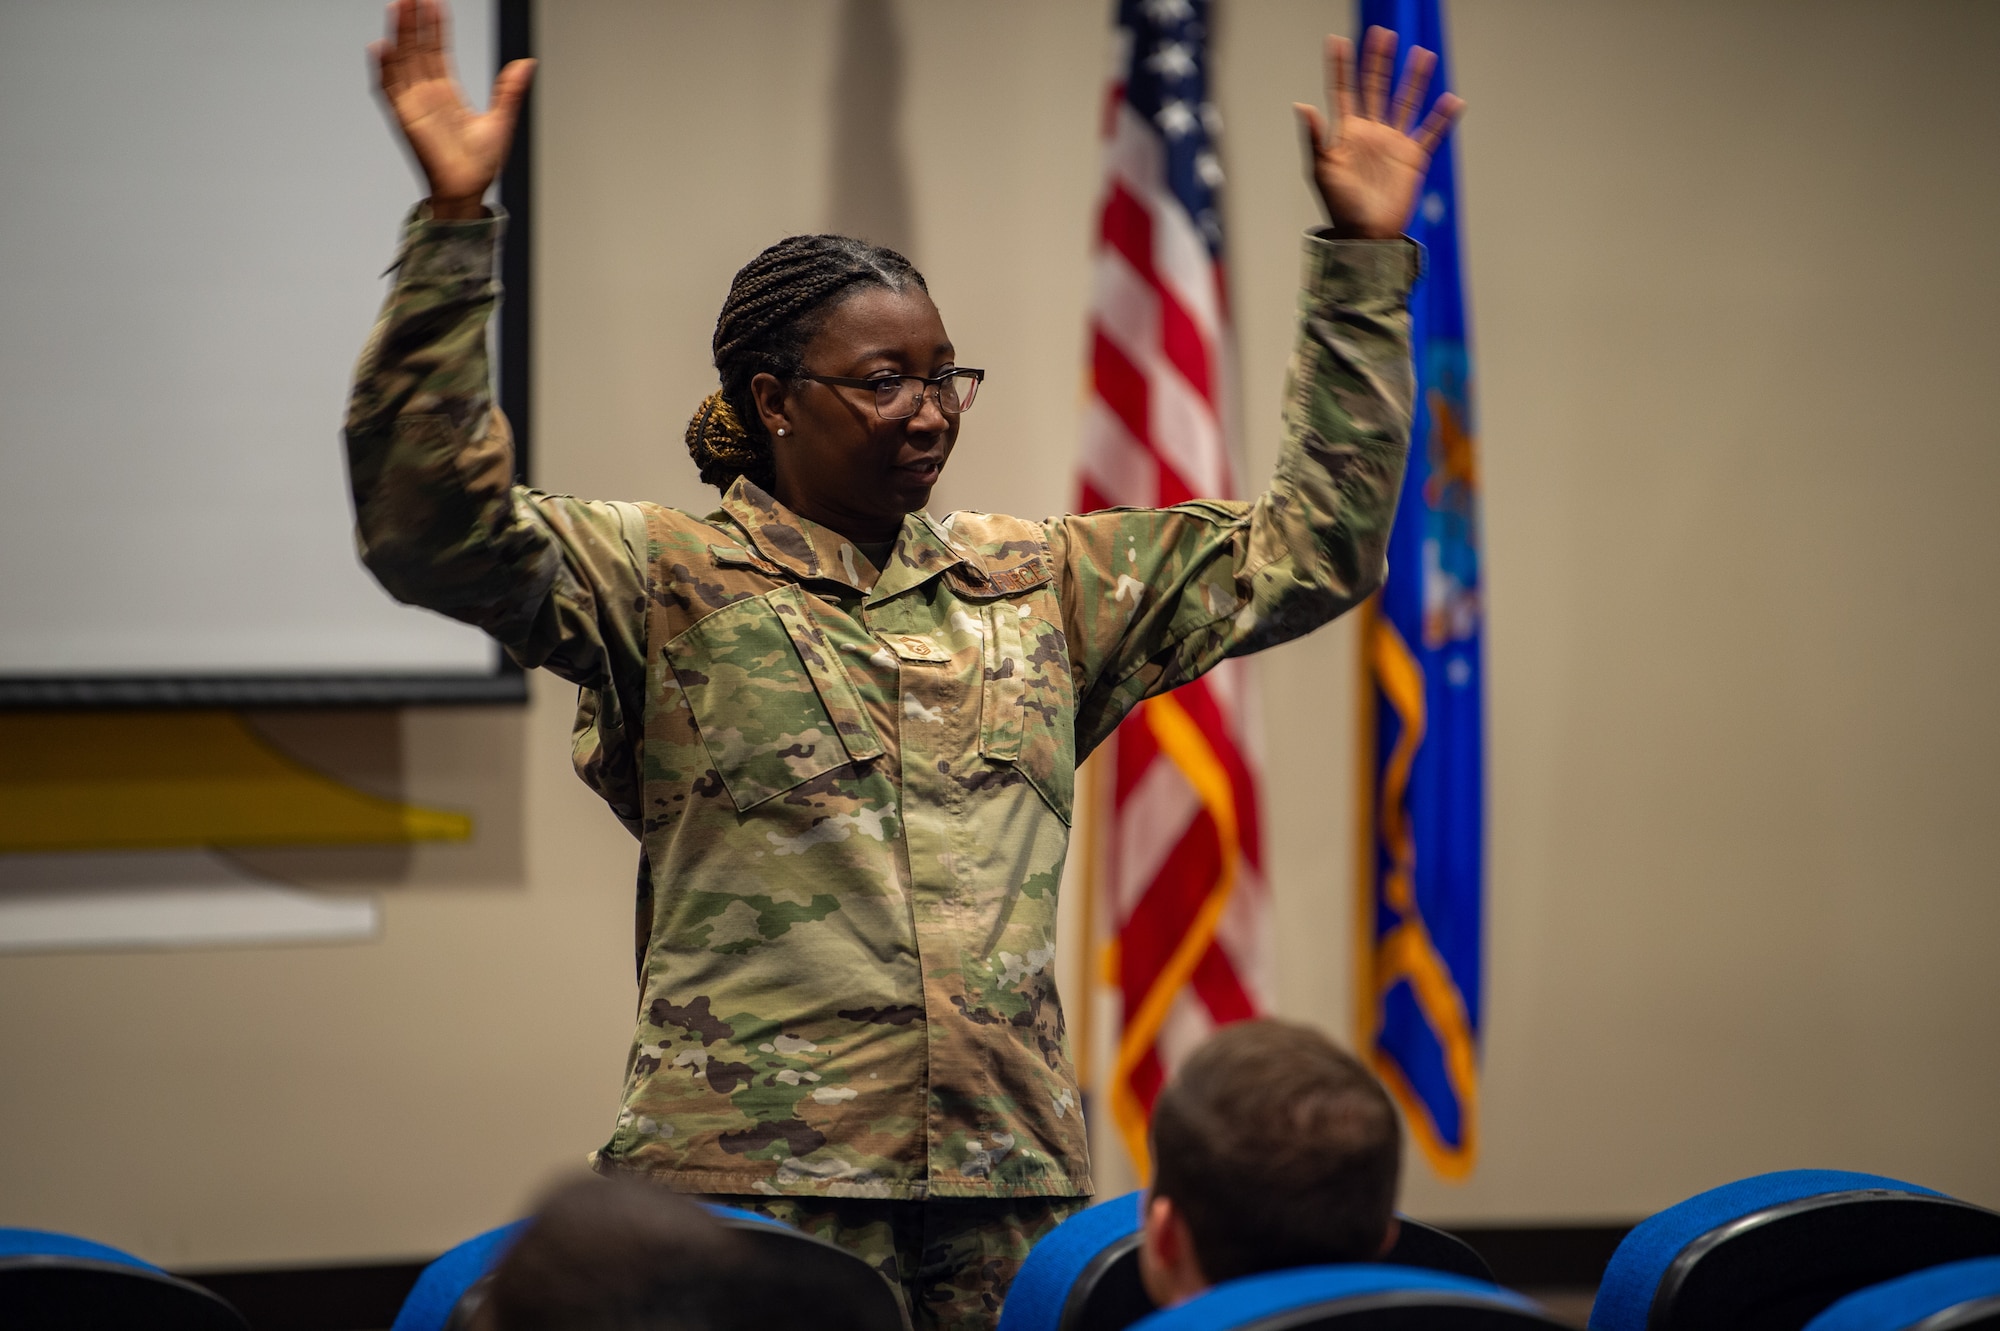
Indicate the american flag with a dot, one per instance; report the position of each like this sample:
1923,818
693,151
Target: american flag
1181,865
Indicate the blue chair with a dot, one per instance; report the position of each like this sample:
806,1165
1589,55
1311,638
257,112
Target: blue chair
53,1282
1767,1253
1955,1297
852,1294
449,1290
1085,1275
1353,1298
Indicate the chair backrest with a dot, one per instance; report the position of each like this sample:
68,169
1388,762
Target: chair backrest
1085,1275
1954,1297
449,1289
50,1281
843,1292
1353,1298
1432,1249
1767,1253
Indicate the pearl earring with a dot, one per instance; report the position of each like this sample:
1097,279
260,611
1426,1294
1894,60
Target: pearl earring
781,432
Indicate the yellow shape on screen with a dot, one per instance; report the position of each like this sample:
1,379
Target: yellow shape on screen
157,780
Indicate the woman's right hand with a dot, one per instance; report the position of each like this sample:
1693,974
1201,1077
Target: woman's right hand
460,152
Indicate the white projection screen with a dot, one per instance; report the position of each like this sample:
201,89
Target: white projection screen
200,198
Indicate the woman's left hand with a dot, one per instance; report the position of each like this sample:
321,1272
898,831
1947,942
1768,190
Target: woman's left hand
1370,165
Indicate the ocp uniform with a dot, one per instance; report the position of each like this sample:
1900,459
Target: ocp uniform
837,768
853,791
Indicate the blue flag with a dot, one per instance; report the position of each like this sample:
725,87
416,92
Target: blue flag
1423,733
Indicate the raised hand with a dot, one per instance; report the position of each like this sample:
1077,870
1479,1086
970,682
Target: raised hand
460,152
1369,167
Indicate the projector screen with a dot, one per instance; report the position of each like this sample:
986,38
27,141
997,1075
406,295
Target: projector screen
200,199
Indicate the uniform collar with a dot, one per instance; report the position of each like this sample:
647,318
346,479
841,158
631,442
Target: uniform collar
924,550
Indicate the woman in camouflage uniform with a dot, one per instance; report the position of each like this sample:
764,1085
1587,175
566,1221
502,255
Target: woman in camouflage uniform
845,733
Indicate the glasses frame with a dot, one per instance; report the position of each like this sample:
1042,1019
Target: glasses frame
931,386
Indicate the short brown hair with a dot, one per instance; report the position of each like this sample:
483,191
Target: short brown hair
1279,1149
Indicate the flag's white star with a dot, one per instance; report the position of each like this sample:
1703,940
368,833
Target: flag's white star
1176,120
1208,169
1172,61
1168,11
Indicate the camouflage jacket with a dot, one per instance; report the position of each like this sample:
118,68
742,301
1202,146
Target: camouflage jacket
852,786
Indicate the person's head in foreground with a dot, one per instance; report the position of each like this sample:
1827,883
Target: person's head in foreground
620,1255
1272,1148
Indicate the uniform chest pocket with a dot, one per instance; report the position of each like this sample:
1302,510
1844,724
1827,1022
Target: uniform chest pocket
770,698
1027,713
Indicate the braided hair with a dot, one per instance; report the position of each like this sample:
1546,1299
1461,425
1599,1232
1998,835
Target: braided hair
776,304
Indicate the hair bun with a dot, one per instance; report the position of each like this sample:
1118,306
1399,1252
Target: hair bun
721,448
715,425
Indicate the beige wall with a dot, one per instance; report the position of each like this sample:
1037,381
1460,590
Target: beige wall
1734,309
1736,293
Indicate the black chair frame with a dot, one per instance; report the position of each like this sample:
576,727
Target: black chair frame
1835,1243
1107,1296
1412,1311
44,1291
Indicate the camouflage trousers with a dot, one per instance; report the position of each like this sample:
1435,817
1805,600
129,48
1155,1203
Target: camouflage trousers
950,1261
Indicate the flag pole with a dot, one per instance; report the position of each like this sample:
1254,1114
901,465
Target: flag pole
1363,949
1085,1044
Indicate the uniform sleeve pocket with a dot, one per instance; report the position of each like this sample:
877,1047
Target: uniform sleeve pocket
774,706
1005,685
1023,706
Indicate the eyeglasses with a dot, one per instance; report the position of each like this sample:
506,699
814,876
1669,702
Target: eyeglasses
901,396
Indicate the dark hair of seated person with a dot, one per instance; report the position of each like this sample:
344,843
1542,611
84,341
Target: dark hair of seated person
1278,1149
621,1255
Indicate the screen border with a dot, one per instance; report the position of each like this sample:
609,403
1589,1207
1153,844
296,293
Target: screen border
506,682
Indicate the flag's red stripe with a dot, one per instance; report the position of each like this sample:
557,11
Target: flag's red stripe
1173,490
1160,918
1147,1079
1216,984
1198,700
1127,227
1122,387
1119,383
1186,349
1137,750
1221,989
